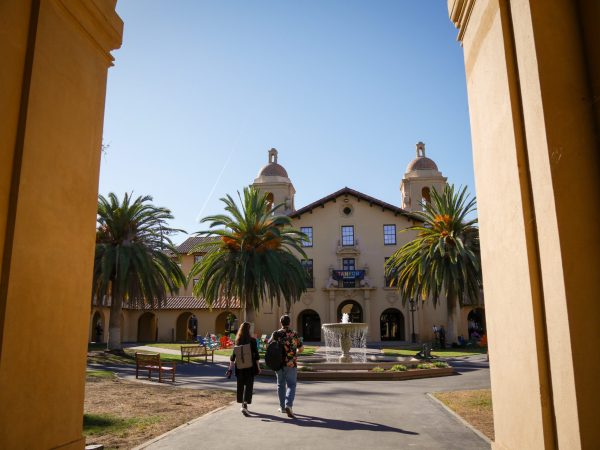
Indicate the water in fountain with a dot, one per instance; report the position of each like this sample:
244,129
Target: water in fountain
333,333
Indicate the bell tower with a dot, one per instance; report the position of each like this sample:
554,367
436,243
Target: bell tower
273,180
421,177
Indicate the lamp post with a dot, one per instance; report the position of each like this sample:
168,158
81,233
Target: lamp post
412,309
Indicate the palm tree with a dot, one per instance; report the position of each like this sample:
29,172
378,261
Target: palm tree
444,259
134,257
251,256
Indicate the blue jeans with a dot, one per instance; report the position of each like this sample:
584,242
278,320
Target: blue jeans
286,386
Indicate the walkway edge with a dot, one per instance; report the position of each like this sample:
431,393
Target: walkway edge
460,419
164,435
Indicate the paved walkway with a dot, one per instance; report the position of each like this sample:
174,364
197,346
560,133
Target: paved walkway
352,415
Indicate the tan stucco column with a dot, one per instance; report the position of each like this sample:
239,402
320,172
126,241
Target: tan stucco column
533,79
55,56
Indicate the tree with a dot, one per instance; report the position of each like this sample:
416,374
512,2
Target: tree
250,255
134,257
444,259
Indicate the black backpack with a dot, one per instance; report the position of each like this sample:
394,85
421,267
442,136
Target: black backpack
275,354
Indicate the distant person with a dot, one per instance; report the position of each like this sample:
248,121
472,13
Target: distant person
245,358
442,334
288,374
99,331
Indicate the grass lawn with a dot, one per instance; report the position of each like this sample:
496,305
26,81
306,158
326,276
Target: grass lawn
124,414
441,353
473,406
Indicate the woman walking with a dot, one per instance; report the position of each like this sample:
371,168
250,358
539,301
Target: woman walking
245,357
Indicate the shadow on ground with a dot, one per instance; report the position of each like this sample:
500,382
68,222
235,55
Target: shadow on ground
334,424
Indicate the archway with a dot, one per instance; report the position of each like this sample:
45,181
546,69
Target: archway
187,327
226,323
476,322
98,327
146,328
309,325
391,325
353,309
426,195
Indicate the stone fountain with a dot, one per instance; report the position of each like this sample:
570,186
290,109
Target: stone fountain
347,335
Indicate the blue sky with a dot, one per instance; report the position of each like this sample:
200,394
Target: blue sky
344,89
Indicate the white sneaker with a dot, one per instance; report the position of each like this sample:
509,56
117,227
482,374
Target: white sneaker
289,412
281,410
244,409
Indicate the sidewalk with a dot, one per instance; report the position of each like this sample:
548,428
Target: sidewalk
353,415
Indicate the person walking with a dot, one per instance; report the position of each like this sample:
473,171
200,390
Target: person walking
245,358
288,374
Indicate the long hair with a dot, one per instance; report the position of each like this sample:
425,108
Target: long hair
243,334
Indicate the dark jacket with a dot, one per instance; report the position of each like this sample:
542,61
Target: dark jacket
255,357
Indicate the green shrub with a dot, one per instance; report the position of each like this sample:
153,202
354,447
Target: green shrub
440,364
425,366
306,369
398,368
378,369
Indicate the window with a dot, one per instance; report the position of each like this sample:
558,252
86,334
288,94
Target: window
308,231
389,234
347,236
197,258
308,266
349,264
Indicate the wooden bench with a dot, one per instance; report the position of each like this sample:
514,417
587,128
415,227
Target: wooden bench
151,362
193,351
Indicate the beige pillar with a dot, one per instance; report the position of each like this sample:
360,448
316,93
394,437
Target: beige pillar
55,56
533,79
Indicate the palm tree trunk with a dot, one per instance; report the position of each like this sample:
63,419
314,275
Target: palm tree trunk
114,323
453,309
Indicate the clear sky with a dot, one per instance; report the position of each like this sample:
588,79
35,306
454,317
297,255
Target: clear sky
343,89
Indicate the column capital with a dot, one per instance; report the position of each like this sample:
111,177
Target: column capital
460,12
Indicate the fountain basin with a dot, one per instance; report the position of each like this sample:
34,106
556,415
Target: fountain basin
348,335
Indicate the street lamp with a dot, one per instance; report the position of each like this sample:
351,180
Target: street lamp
412,309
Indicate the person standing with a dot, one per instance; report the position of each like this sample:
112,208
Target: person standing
245,376
288,374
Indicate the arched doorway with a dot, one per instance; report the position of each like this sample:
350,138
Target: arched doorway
309,325
476,322
226,323
98,327
391,325
187,327
146,328
353,309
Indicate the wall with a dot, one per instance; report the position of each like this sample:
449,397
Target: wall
533,84
55,56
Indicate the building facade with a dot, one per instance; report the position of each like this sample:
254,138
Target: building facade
351,235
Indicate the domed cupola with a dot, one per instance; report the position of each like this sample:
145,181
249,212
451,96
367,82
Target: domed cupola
421,162
422,175
273,180
273,169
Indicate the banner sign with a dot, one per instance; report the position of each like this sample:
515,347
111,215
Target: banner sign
348,274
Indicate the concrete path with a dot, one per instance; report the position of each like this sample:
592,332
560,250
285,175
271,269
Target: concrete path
352,415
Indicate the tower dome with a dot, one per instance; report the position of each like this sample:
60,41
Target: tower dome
273,169
273,180
421,177
421,162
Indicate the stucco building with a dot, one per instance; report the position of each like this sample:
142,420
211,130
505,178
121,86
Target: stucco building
351,236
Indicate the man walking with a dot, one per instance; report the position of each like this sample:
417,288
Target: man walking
288,374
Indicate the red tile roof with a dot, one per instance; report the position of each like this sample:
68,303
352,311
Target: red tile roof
181,302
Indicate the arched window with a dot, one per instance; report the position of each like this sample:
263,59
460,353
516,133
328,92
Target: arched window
426,195
270,199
